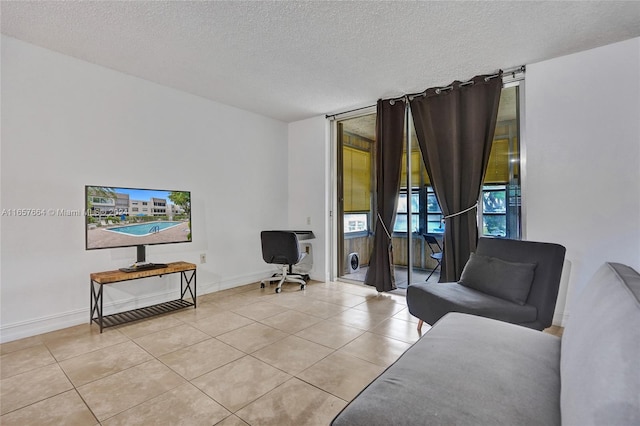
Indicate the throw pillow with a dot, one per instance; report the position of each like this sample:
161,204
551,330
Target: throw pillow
506,280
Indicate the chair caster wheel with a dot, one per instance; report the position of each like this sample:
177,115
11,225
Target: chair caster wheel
261,285
302,286
278,289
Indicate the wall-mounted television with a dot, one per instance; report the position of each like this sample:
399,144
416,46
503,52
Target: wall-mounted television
134,217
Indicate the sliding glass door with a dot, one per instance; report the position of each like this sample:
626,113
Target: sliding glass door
355,192
419,221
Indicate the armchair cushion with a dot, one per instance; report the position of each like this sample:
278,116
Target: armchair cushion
431,301
505,280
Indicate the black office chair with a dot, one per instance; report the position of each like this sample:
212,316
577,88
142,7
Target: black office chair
282,248
435,255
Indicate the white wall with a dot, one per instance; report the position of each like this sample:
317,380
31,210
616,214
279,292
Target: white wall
66,124
582,186
309,187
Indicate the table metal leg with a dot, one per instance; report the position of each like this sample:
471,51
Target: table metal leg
92,303
100,313
183,288
96,304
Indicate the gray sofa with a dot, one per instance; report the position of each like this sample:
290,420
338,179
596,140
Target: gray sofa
470,370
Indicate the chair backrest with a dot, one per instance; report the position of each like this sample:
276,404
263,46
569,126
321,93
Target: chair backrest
280,247
431,241
549,258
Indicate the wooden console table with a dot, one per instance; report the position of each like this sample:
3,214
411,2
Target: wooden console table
100,279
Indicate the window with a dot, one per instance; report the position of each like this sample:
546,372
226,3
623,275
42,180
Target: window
401,216
356,222
494,211
356,181
101,200
499,207
435,218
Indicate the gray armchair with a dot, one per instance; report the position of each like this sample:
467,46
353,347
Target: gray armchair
509,280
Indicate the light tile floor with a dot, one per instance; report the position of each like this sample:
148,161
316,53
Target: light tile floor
244,356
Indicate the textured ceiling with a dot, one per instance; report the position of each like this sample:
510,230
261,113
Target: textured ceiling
293,60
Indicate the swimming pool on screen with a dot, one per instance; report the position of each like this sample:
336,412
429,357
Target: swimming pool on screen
144,229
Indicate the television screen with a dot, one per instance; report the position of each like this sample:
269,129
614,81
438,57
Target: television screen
125,217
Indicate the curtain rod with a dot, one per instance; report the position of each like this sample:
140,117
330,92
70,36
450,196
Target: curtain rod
346,112
508,74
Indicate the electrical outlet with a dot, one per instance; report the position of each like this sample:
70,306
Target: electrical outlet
203,258
308,220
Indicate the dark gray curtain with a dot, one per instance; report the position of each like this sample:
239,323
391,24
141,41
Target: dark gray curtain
389,145
455,128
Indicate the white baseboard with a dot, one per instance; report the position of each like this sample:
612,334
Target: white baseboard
32,327
44,324
231,282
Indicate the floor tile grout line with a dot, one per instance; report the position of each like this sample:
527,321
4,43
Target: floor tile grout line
332,352
323,390
257,398
39,401
150,399
214,369
251,354
330,317
73,387
278,386
142,402
92,350
86,404
31,369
